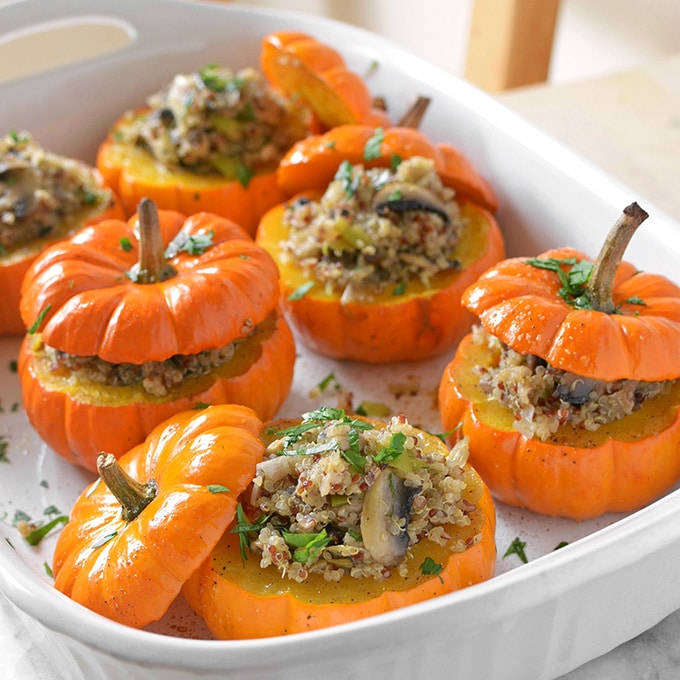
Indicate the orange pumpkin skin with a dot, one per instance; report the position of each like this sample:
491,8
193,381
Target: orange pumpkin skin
419,324
211,301
13,267
575,474
131,571
520,305
312,162
301,66
78,430
134,175
234,611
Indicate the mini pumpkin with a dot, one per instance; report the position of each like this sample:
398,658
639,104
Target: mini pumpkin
131,322
136,534
373,268
303,67
44,197
569,391
311,550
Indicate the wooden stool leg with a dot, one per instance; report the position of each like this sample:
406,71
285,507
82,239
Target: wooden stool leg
510,42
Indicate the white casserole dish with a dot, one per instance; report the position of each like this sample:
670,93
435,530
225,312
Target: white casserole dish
616,578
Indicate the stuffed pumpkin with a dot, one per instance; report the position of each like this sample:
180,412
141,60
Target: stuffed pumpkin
374,261
568,389
44,197
131,322
346,518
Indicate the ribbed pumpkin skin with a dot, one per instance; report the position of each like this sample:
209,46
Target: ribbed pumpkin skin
132,571
226,293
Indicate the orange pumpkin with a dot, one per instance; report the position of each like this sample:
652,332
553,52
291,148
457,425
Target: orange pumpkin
312,162
135,535
418,322
598,324
240,599
302,67
36,182
187,289
196,147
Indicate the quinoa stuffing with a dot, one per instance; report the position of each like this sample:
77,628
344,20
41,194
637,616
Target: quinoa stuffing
216,121
343,497
375,229
542,397
42,193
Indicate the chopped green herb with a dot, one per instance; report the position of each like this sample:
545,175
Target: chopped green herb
307,546
301,291
125,244
330,144
353,455
393,450
372,146
34,533
430,567
561,544
194,244
517,548
325,382
200,405
399,289
346,177
244,527
635,300
574,279
395,161
4,458
445,435
48,570
217,488
373,408
104,540
244,174
13,366
38,322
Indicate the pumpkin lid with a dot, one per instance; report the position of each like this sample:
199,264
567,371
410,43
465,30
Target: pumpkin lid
312,162
130,292
600,319
302,67
166,503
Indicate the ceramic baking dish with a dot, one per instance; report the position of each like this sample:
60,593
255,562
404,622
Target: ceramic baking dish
616,577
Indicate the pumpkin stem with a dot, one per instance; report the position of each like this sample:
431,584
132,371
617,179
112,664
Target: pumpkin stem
414,114
132,495
601,281
152,266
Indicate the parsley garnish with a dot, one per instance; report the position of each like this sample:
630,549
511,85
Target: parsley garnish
125,244
372,146
344,175
561,544
430,567
104,540
35,532
3,449
307,546
574,279
13,366
517,548
41,317
244,527
301,291
393,450
325,382
395,161
194,244
217,488
399,289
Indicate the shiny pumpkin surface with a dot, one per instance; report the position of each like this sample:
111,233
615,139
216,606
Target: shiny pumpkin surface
131,571
576,473
312,162
521,305
422,322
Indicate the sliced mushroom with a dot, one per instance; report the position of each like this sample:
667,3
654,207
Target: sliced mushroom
405,197
576,390
385,516
18,184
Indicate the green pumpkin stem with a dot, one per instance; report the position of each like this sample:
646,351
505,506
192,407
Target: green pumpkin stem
152,266
601,282
132,495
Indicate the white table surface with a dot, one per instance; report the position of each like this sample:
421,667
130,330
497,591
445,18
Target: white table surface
629,125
